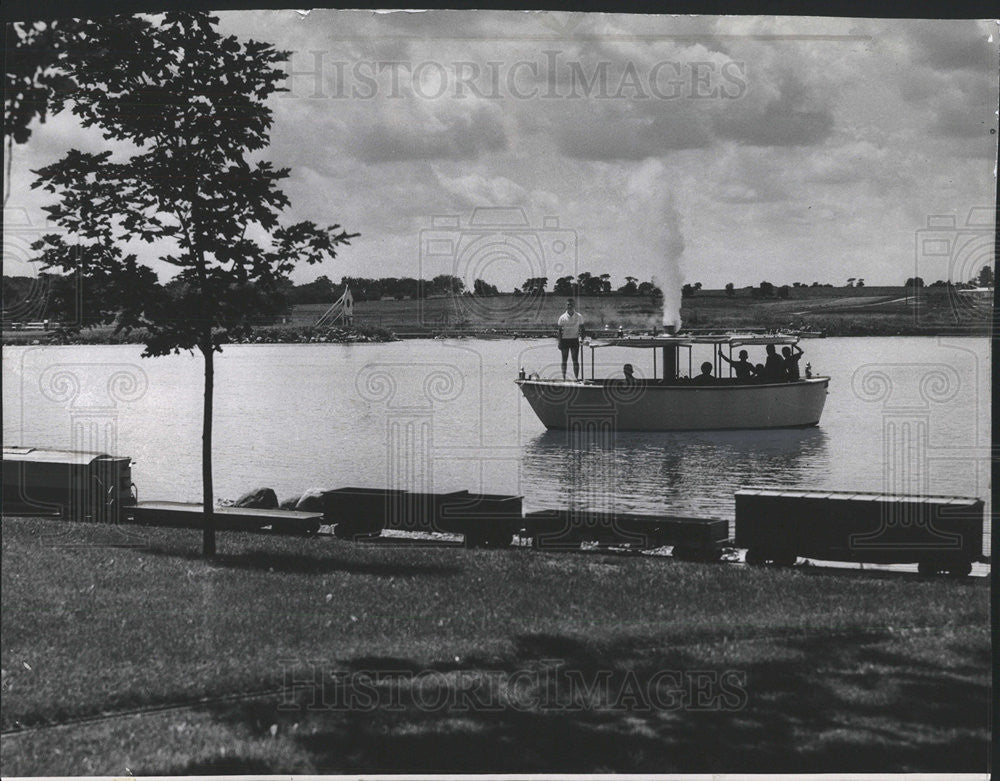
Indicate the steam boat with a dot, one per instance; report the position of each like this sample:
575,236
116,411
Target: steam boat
673,403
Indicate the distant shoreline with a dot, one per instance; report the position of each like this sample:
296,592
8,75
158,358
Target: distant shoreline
834,312
295,336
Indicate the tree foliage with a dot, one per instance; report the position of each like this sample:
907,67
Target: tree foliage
535,285
193,103
34,72
184,110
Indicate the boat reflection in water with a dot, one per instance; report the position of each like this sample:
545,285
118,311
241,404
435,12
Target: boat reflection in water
676,473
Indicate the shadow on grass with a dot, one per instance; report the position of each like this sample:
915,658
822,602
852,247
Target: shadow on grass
287,563
848,703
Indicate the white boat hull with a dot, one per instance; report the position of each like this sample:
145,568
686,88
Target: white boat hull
688,407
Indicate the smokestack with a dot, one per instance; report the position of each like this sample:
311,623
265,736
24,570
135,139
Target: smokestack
670,329
670,362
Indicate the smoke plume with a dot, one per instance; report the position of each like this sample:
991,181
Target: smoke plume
657,233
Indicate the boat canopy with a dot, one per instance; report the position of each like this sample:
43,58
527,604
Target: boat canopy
687,340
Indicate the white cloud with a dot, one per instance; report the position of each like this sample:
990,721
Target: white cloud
839,138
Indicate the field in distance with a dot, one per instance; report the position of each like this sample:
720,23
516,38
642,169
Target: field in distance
836,311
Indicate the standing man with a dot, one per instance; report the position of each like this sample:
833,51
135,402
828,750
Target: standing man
570,331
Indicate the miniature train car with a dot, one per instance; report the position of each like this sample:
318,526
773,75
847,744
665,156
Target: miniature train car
486,520
72,484
939,533
692,538
186,515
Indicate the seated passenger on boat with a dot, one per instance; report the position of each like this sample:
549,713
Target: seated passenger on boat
743,368
705,378
629,371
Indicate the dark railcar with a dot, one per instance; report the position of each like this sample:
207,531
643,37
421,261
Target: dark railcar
425,512
486,520
361,512
696,538
76,485
186,515
940,533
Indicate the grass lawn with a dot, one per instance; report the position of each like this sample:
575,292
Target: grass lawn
421,659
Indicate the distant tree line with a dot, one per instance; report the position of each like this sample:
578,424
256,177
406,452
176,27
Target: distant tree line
65,297
587,284
323,290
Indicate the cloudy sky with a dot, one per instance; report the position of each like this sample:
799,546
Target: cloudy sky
505,145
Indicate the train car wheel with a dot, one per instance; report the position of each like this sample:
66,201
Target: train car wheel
344,531
703,555
755,558
355,532
499,538
770,558
785,559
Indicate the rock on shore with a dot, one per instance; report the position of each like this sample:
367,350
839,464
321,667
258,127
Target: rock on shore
259,499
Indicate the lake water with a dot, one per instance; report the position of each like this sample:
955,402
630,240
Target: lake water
903,413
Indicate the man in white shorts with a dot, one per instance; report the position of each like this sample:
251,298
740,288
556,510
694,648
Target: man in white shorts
570,332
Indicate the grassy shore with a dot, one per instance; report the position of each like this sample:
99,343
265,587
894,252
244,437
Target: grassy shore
867,311
426,659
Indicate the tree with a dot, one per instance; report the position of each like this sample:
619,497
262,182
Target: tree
564,286
33,74
914,282
447,284
651,290
482,288
535,285
687,291
985,278
784,291
860,282
630,288
730,290
850,282
764,290
192,104
591,285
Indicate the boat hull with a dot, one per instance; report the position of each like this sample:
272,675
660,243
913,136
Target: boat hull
688,407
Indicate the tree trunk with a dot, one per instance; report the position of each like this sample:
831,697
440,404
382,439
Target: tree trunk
208,536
